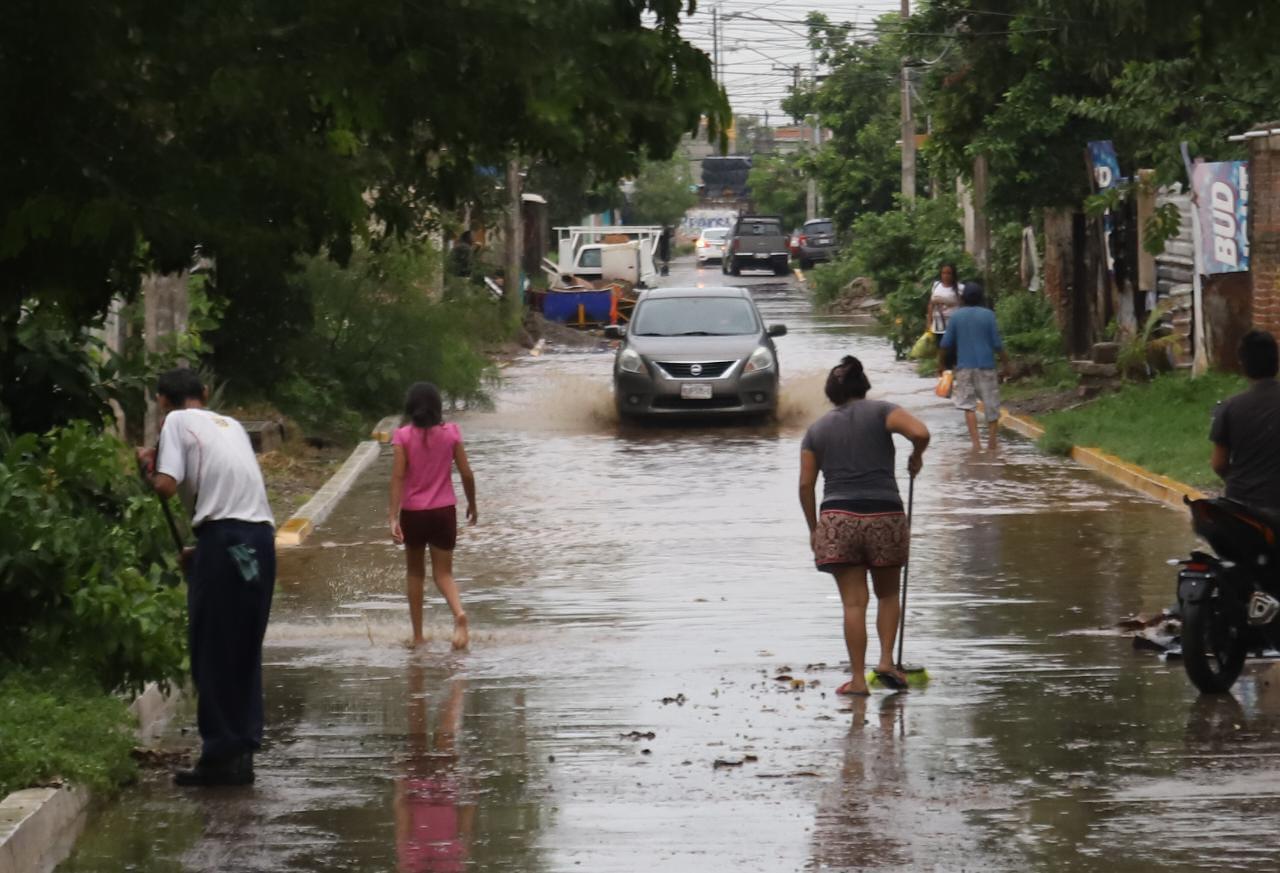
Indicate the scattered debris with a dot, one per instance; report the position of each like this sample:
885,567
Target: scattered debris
787,775
679,700
160,759
638,735
721,763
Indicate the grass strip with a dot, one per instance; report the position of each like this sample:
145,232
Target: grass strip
1162,425
54,728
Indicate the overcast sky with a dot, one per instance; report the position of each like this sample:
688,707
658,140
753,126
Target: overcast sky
752,47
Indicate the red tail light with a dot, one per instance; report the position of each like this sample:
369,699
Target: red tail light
702,243
735,243
1196,567
803,239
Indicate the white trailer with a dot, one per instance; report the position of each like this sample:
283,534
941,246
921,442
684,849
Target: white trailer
584,252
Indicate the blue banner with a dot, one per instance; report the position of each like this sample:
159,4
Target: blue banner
1222,208
1105,164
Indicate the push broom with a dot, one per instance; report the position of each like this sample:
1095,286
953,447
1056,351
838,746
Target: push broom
916,675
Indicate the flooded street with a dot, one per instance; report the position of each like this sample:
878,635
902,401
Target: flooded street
634,592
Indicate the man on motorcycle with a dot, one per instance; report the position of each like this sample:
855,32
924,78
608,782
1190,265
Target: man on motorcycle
1246,429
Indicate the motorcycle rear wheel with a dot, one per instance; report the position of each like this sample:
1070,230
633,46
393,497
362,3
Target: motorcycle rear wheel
1213,643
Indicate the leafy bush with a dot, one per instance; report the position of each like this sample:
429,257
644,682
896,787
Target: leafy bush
1027,325
902,251
376,330
55,727
88,576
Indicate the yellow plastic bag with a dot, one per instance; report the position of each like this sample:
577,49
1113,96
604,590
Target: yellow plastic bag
925,347
945,381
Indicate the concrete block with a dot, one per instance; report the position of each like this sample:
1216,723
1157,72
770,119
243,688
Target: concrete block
266,436
1094,370
1105,353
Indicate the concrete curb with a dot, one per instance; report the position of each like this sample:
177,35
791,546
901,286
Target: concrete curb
1168,491
294,531
39,826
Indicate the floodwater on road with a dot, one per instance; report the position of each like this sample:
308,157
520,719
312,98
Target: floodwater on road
635,592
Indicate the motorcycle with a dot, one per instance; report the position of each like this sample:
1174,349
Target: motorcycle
1229,599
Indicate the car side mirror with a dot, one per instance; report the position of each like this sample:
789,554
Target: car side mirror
777,330
615,331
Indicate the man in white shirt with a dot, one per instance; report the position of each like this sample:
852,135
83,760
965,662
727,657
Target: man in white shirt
207,459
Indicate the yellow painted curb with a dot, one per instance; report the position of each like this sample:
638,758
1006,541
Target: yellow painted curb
1025,425
293,532
385,429
1143,481
1153,485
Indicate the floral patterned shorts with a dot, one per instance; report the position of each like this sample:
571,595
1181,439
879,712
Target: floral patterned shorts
849,539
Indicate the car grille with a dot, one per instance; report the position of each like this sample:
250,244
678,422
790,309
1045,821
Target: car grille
684,369
671,402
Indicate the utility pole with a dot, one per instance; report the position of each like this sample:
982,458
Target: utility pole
512,292
813,201
908,124
715,43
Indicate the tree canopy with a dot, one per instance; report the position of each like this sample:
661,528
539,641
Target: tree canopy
1028,82
264,129
663,192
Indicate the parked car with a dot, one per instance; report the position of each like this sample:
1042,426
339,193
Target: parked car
710,244
757,242
696,351
793,243
817,242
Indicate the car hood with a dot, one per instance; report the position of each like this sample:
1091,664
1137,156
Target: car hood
695,348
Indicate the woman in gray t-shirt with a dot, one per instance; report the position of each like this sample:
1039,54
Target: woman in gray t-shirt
861,525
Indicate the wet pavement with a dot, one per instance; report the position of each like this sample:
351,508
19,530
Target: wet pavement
633,594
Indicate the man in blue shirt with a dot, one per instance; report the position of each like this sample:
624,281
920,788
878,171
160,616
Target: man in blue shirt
973,333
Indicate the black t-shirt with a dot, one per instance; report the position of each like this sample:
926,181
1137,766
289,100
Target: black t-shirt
1249,426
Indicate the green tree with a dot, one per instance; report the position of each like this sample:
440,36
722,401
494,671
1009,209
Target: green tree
1027,83
663,192
779,186
858,169
266,129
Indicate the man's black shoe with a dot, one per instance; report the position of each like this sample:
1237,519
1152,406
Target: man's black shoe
230,771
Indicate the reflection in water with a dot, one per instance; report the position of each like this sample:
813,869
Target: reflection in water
850,831
433,825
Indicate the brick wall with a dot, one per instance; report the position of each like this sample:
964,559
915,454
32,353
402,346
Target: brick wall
1264,231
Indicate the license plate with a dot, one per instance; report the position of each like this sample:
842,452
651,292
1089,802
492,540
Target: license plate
695,391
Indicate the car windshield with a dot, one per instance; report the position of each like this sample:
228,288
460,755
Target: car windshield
695,316
818,228
716,234
590,258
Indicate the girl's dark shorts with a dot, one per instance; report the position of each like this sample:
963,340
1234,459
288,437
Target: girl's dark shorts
430,527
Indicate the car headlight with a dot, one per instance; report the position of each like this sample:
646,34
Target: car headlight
761,359
629,361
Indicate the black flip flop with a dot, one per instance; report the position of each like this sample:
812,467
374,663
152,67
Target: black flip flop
890,680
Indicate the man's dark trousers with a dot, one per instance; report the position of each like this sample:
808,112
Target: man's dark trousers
229,591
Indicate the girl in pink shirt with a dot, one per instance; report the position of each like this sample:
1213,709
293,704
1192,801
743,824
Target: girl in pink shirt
423,510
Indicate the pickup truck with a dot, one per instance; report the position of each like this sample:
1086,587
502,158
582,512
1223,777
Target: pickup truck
757,242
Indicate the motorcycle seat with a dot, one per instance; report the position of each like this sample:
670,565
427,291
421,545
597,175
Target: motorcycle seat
1237,532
